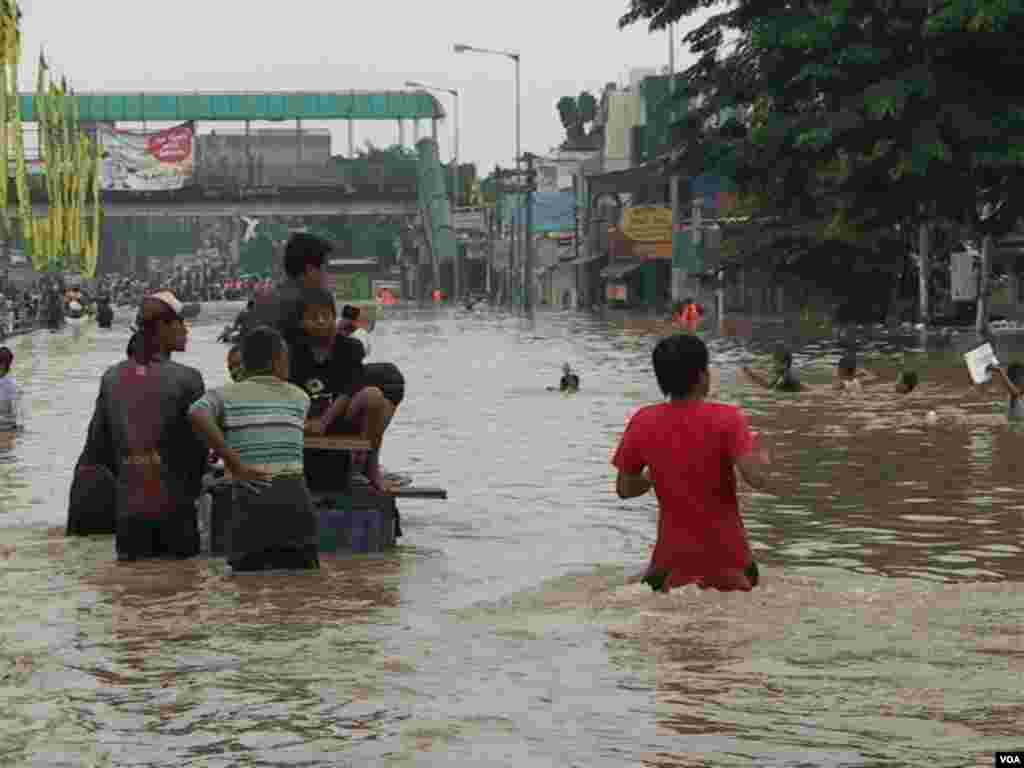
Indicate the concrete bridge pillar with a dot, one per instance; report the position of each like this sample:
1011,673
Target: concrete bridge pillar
234,240
433,129
351,138
415,132
401,132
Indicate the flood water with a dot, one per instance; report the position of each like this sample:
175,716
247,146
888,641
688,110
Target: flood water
507,628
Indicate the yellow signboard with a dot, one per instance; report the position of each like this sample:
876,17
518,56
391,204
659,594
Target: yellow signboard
647,224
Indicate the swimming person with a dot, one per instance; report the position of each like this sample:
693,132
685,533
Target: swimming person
1012,380
257,426
686,450
10,396
783,378
849,376
569,383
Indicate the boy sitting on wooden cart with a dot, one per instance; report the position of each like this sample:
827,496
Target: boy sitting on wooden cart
329,367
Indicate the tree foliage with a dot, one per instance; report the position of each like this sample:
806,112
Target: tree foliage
576,115
857,114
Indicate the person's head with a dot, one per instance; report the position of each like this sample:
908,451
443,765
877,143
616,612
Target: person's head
1015,373
161,322
305,257
319,314
264,353
235,367
566,369
907,382
133,346
783,360
846,369
6,361
681,366
350,313
250,304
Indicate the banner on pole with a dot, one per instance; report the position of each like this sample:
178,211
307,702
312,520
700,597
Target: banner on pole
156,161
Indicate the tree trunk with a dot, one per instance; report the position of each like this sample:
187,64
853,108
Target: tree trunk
924,273
984,286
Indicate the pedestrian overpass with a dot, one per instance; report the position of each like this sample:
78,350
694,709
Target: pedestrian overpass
401,107
249,107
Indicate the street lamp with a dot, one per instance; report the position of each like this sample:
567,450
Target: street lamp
455,117
460,48
514,55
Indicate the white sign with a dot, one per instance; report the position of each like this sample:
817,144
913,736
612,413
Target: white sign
963,275
978,360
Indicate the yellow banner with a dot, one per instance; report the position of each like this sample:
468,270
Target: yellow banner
647,224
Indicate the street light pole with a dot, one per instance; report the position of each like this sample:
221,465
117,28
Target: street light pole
514,55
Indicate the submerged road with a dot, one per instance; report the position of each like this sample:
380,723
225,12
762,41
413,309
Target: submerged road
505,629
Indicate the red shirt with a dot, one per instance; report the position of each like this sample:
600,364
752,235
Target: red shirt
692,448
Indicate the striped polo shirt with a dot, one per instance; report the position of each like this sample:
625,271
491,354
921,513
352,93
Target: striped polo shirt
262,418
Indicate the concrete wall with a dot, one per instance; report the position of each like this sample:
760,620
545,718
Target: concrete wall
277,159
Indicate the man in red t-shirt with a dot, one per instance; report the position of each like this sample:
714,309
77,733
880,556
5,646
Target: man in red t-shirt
687,449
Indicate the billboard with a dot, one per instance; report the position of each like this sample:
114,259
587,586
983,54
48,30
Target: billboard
647,224
157,161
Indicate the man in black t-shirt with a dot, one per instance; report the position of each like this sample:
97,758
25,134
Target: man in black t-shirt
305,261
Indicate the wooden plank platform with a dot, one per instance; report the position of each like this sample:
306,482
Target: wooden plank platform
412,492
337,443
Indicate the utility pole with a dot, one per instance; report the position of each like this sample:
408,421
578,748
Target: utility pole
513,260
531,187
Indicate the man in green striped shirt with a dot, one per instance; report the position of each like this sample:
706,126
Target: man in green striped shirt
256,425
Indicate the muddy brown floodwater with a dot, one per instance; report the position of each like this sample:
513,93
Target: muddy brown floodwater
507,630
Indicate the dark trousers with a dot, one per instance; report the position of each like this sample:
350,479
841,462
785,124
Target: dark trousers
177,537
278,558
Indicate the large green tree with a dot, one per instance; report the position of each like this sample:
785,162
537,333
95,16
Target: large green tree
864,116
576,115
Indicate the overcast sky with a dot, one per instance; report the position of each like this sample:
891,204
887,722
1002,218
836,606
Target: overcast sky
312,45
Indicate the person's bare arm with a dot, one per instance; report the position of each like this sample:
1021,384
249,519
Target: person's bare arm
755,469
629,486
1009,386
757,378
205,425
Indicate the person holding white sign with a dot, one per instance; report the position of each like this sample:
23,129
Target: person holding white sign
1013,381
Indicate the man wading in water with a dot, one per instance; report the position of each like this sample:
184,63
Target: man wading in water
687,450
140,433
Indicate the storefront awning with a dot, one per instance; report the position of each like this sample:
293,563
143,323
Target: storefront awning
618,270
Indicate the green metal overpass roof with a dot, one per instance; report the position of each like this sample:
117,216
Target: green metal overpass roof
179,107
